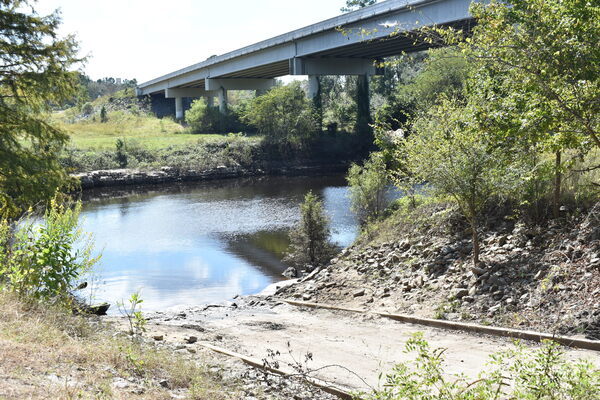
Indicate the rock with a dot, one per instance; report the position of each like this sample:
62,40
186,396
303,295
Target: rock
495,308
191,339
290,273
477,271
460,293
358,293
418,282
158,337
194,327
306,296
164,383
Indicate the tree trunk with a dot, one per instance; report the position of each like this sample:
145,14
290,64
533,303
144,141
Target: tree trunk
557,185
475,241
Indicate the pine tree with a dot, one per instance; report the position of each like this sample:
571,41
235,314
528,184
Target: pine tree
34,75
310,245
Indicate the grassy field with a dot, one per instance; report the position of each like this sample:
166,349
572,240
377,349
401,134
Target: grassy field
147,130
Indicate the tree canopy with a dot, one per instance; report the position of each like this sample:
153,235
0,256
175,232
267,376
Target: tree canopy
34,75
352,5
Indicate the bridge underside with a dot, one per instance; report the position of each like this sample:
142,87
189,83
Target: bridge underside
319,49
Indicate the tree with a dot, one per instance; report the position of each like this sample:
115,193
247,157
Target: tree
310,246
536,74
352,5
368,187
284,115
448,152
34,75
103,115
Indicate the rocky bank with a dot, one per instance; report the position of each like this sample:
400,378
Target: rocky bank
128,177
531,277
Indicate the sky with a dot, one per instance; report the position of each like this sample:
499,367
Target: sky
144,39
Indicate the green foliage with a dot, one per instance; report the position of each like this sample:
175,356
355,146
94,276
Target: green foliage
133,312
203,118
537,74
44,260
457,160
352,5
283,115
368,187
103,115
519,374
442,73
34,75
310,246
120,153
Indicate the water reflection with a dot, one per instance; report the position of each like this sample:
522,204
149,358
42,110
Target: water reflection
206,242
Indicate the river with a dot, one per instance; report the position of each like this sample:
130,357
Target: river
184,245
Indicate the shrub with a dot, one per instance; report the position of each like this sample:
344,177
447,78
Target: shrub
457,160
310,245
44,260
103,115
284,115
203,118
368,187
518,374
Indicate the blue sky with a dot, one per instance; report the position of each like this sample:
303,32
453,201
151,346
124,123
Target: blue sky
143,39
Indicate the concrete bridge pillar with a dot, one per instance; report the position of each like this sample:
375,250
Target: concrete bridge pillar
363,120
178,107
314,93
210,101
223,100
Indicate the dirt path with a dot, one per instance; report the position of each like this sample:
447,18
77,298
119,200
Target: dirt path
365,345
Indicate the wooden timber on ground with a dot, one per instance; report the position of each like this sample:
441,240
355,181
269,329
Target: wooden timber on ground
462,326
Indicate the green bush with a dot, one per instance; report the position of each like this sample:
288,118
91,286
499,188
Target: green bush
44,260
310,246
368,187
284,115
519,374
203,118
456,160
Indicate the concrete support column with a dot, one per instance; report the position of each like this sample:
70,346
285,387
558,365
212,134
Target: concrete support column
210,101
223,100
363,114
178,107
314,93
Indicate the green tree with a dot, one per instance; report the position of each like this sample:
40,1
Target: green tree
536,74
310,246
449,153
103,115
284,115
34,75
368,187
352,5
201,117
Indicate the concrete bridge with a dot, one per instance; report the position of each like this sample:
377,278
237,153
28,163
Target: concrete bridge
349,44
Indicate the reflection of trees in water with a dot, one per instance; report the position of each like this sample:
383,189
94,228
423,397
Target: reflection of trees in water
223,189
263,249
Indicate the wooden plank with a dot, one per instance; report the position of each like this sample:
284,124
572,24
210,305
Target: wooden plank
467,327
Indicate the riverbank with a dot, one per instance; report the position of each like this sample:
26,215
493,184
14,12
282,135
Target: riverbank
545,278
128,177
50,354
